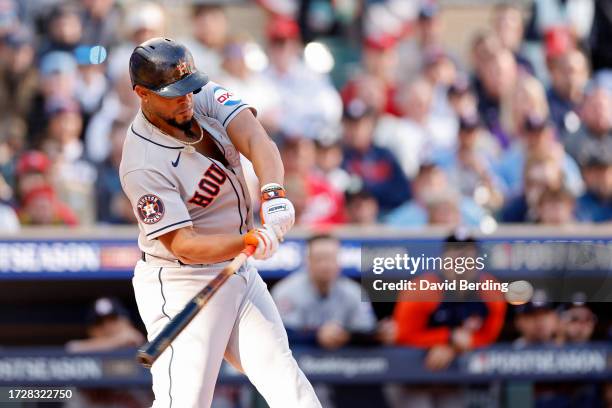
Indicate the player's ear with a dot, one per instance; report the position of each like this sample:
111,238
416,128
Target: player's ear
141,91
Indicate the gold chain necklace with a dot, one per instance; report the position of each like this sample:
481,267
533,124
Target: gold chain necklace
188,145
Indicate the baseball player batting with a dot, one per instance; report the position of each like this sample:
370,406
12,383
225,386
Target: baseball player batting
181,171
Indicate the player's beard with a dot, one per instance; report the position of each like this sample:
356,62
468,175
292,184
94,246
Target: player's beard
184,126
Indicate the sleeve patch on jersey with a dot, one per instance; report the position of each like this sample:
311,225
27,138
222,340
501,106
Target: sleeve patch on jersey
150,208
225,97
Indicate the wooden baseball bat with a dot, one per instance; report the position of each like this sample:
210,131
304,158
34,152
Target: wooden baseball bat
152,350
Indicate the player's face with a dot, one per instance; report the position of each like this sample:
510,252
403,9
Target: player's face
177,110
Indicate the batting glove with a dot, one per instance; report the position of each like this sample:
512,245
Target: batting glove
276,210
265,239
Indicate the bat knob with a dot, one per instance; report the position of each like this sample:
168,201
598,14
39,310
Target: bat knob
145,359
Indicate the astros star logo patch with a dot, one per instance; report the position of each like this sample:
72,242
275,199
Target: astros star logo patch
182,68
150,208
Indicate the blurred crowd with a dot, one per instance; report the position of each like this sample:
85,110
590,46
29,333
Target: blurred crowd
406,134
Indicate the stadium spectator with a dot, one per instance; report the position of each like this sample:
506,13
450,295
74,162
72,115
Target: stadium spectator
12,141
496,80
469,319
470,167
414,136
434,201
9,16
426,35
41,206
440,70
569,73
119,104
8,218
32,171
541,172
63,30
576,321
536,321
329,163
507,21
447,323
239,76
595,205
368,88
443,210
380,64
143,20
209,27
601,51
410,137
58,80
527,99
319,203
556,26
108,328
298,85
74,177
461,97
556,207
92,82
116,208
320,307
101,23
376,166
595,134
19,79
361,208
537,138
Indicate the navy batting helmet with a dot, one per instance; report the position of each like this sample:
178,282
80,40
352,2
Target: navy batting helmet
165,67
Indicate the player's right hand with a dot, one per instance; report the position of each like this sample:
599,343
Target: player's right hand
264,239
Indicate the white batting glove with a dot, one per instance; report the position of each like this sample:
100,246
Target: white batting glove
265,240
276,210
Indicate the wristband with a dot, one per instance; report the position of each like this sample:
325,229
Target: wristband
271,191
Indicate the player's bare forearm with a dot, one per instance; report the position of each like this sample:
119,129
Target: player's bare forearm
192,248
253,142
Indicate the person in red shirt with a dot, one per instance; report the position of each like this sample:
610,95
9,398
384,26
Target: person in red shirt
317,202
42,207
380,62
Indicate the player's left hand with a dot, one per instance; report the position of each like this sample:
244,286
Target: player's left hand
264,239
276,210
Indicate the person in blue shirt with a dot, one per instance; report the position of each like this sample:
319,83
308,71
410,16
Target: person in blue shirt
539,138
470,165
430,190
380,172
595,205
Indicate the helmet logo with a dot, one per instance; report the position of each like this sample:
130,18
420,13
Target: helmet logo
183,68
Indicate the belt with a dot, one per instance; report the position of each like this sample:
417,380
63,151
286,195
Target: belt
148,257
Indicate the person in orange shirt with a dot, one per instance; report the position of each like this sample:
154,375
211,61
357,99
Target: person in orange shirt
451,321
446,322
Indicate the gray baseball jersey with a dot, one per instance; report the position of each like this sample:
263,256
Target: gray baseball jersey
170,187
302,307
